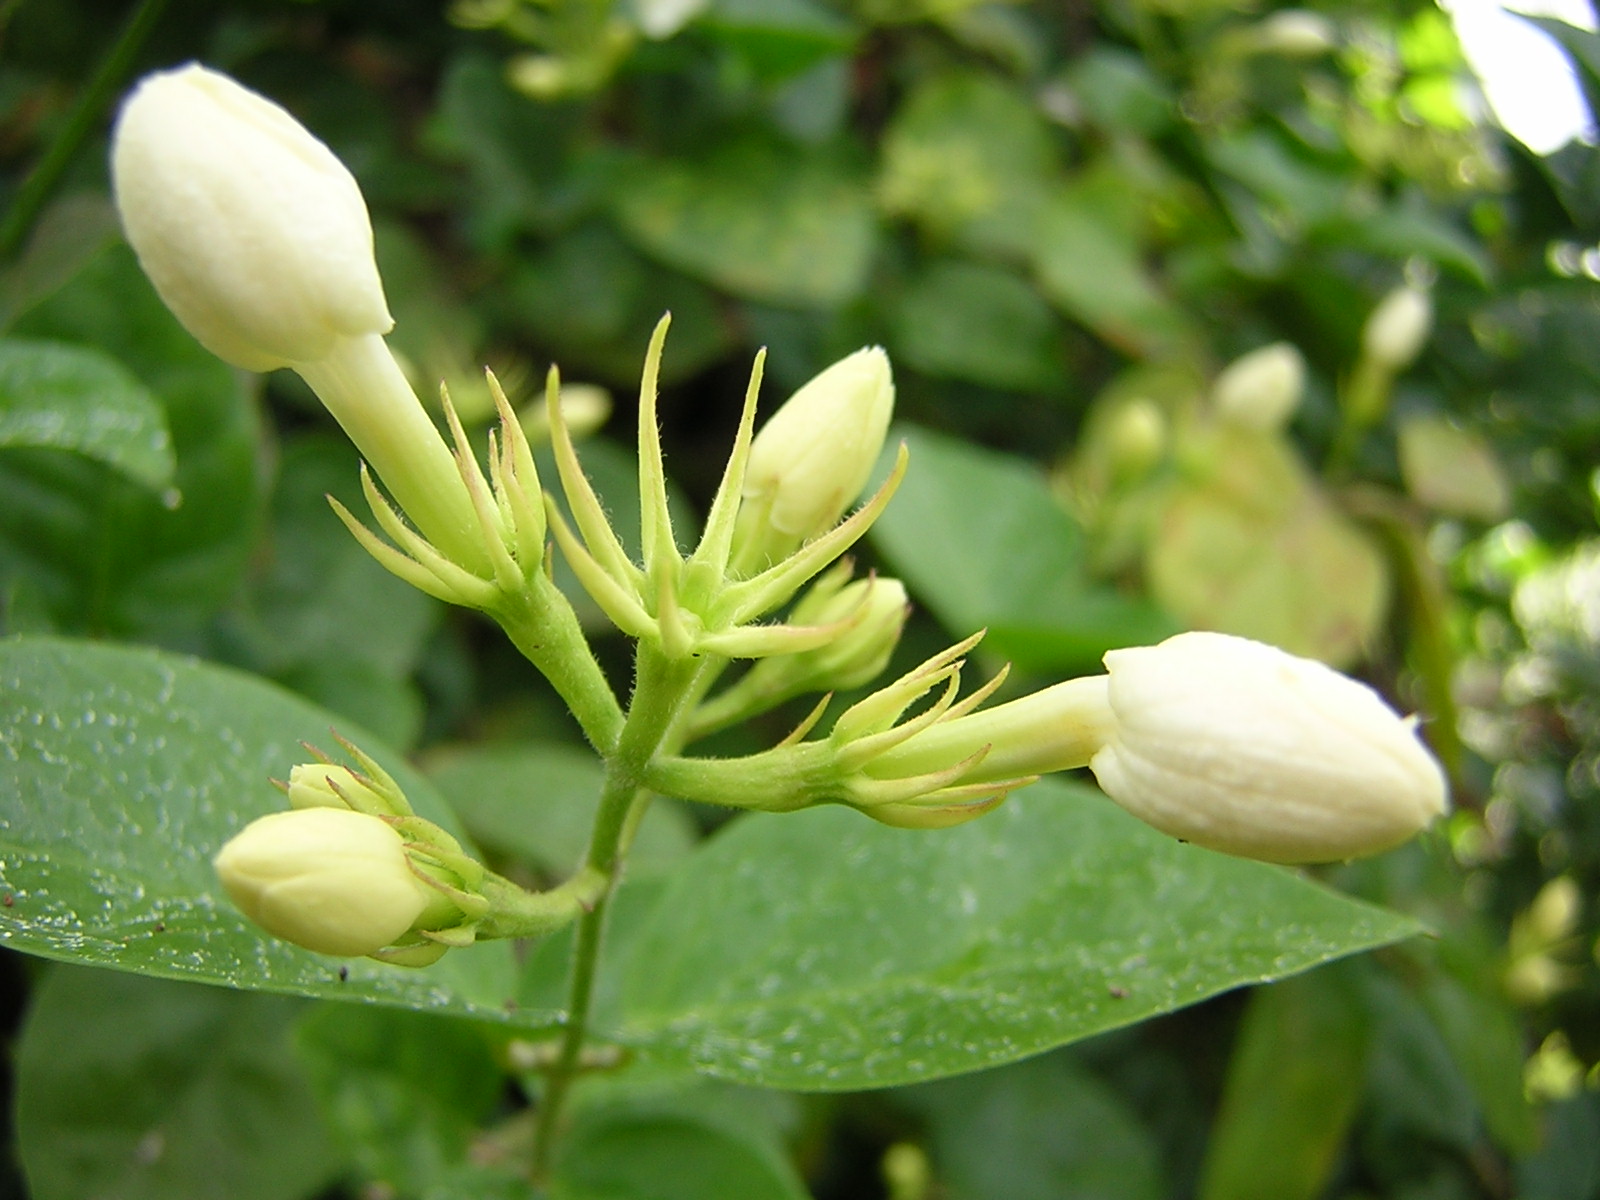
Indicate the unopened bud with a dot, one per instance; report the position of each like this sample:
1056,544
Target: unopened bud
1136,438
1243,748
1296,33
328,879
1261,389
1397,329
255,235
813,457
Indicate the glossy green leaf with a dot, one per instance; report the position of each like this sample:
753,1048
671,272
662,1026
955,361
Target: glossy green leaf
822,951
144,1089
708,1142
980,324
535,801
63,397
322,617
122,771
1294,1083
756,218
1043,1129
406,1095
979,538
107,555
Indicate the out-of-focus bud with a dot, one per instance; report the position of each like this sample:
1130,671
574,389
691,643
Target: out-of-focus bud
331,880
1136,438
813,457
1395,332
1261,389
1296,33
1240,747
255,235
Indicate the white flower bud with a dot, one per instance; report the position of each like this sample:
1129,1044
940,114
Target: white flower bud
813,457
1398,327
1297,33
328,879
1261,389
255,235
1243,748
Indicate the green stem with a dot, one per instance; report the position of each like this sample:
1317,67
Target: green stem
661,686
540,623
36,189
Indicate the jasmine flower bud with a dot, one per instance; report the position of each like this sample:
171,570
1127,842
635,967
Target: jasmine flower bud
255,235
812,458
328,879
1395,332
1261,389
1243,748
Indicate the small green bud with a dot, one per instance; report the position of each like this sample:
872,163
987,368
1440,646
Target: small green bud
328,879
328,785
1261,389
813,457
1136,438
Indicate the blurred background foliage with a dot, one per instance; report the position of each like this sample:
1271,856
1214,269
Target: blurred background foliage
1063,220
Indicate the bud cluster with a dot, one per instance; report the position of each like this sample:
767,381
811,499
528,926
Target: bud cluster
259,241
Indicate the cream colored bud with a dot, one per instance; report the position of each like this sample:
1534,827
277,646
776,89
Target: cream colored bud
255,235
328,879
1262,389
1397,329
877,607
328,785
1296,33
812,458
1243,748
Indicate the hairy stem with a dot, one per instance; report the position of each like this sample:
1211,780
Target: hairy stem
661,686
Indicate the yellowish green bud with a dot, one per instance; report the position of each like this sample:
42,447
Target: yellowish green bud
1136,438
1397,329
1241,747
813,457
255,235
1261,389
328,879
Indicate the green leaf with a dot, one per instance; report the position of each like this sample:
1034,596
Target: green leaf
535,801
980,324
1092,266
142,1089
405,1094
320,615
760,219
122,771
1040,1130
707,1142
968,155
107,555
1294,1084
1247,542
64,397
595,300
979,538
778,38
821,951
